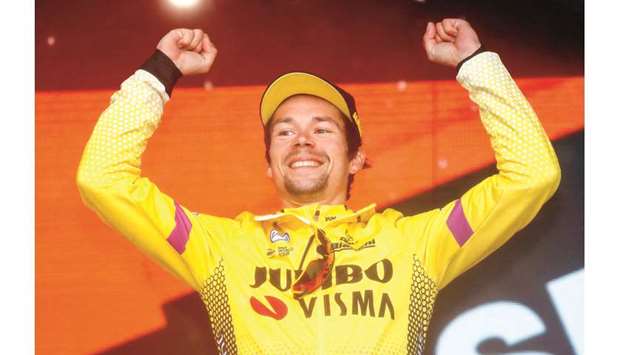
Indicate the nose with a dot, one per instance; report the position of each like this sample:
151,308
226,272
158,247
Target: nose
304,139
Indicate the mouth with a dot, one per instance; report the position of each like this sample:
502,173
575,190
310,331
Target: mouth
303,163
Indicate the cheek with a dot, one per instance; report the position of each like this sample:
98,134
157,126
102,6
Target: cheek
275,158
340,155
273,152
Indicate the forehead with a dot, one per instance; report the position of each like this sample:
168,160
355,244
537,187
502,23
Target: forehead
306,106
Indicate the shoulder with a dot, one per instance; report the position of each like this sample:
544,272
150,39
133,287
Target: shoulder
397,217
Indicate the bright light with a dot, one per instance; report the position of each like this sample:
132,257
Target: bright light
184,3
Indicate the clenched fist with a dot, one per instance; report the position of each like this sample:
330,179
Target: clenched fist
450,41
190,50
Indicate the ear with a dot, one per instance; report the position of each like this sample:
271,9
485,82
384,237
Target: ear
357,163
269,172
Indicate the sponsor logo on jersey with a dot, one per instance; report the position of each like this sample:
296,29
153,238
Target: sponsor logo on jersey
276,309
346,243
279,251
276,236
369,302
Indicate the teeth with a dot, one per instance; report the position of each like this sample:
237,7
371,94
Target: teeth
304,163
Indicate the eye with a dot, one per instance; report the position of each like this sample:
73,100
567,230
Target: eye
284,132
322,130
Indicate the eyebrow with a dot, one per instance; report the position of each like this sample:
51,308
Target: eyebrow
315,118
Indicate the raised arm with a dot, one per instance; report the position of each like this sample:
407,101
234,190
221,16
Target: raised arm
459,235
109,176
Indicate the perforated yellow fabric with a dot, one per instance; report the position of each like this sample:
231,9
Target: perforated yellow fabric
379,297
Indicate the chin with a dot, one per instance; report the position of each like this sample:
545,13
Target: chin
305,187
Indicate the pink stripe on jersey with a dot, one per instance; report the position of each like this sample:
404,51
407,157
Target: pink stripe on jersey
458,225
180,234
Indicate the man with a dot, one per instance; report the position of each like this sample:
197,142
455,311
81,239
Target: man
317,277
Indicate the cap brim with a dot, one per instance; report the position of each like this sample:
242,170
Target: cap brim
297,83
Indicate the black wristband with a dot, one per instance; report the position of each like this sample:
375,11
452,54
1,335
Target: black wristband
478,51
163,69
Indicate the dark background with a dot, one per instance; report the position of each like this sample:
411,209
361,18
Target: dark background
99,43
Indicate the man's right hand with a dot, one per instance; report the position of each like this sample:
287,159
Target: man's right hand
190,50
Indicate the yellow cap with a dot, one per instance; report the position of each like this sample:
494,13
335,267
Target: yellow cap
296,83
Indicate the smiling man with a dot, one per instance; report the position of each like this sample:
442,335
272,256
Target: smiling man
315,276
308,152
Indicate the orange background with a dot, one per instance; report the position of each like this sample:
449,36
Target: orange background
93,290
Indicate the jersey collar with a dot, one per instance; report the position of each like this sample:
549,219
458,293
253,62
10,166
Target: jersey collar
326,215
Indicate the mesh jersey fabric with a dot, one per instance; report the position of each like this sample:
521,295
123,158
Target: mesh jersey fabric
388,267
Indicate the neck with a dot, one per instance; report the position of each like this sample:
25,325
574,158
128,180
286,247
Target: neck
298,201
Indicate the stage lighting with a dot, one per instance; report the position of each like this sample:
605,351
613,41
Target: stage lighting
184,3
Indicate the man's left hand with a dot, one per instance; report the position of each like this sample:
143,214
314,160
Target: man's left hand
450,41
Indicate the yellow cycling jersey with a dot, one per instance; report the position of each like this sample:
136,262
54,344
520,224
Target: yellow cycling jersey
379,296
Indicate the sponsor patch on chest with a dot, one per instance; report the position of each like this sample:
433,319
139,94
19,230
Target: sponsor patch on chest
276,236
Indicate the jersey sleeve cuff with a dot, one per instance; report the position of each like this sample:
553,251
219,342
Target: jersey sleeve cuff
152,81
162,68
478,51
478,67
